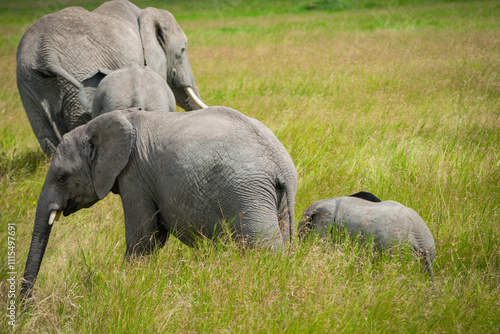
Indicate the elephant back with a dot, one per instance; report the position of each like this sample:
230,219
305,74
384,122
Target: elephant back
121,10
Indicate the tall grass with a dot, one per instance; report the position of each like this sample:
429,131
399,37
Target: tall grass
402,101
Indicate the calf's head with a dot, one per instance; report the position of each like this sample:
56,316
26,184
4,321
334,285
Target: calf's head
83,171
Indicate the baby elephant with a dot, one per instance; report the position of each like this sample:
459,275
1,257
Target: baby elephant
185,174
363,214
131,86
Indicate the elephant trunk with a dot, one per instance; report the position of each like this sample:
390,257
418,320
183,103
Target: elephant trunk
41,232
184,87
188,98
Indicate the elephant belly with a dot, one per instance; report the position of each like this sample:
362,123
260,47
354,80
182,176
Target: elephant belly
220,203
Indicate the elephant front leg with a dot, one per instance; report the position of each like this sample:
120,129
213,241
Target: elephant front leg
142,227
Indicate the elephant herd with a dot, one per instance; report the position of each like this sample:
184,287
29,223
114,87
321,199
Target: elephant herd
100,89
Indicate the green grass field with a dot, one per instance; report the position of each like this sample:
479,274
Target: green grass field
400,98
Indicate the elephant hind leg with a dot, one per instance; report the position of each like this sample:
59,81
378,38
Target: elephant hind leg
285,206
259,230
40,117
44,129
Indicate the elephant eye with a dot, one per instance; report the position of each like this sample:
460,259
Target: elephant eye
62,178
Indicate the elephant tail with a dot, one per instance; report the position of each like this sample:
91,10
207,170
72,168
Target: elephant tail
429,259
61,72
428,267
286,202
426,254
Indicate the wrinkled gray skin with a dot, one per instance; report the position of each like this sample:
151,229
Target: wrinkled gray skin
60,49
175,175
389,222
131,86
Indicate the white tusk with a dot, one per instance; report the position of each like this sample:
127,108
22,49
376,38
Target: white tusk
54,216
189,91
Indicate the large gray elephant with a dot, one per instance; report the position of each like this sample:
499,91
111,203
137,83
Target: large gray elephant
176,173
364,215
60,49
131,86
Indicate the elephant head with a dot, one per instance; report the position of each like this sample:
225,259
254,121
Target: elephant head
88,87
80,175
317,220
128,87
164,45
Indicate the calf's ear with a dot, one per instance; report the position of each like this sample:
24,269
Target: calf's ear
110,143
366,196
88,87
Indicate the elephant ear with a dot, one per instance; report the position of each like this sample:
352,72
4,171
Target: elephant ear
110,141
366,196
157,26
88,87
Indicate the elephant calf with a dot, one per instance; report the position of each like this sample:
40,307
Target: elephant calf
363,214
176,173
131,86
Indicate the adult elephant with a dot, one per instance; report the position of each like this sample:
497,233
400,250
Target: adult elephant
60,49
175,175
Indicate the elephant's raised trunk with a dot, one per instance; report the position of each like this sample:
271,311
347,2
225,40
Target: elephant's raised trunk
39,240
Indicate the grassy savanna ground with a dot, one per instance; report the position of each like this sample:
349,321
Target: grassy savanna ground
400,99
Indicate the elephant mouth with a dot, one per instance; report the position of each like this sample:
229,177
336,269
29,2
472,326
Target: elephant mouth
70,207
74,204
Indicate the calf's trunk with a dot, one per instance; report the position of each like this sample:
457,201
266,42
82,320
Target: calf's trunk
41,232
